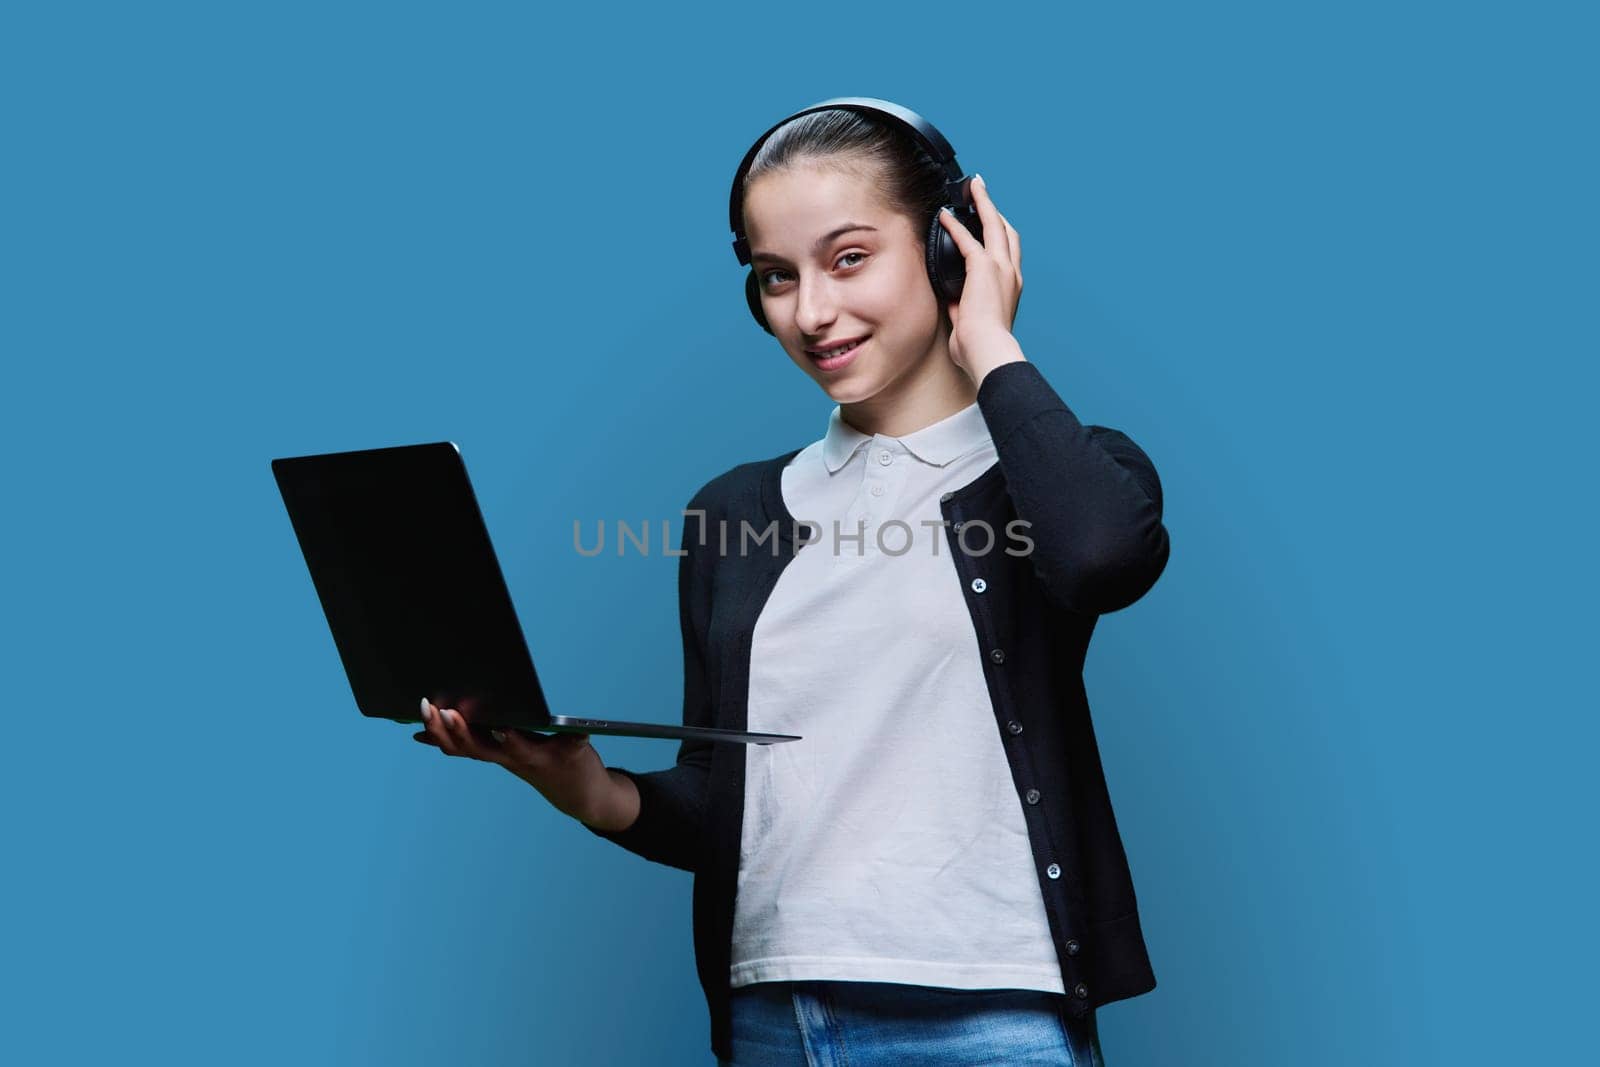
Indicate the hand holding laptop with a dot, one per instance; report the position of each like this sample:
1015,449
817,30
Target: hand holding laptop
564,768
416,600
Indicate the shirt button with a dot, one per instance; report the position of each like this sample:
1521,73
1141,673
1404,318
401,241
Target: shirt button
1033,796
877,490
1054,870
1014,726
998,655
1080,991
885,458
979,585
1072,948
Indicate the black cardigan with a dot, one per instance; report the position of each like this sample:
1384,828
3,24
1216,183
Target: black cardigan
1092,503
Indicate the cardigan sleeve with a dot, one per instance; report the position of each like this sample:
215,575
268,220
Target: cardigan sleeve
669,828
1090,496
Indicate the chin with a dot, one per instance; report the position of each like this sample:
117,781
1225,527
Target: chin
848,392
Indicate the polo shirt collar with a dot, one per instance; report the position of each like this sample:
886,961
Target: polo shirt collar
938,443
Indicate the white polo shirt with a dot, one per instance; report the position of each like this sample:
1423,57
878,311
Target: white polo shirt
889,844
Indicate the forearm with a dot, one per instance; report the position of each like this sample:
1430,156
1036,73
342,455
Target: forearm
1090,496
617,806
661,814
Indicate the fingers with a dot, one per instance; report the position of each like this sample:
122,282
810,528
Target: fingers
997,238
1001,241
449,730
965,242
436,732
461,734
1016,244
1016,260
452,734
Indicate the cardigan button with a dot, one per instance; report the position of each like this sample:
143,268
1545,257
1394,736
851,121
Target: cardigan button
1014,726
1081,991
979,585
998,655
1033,796
1054,870
1073,948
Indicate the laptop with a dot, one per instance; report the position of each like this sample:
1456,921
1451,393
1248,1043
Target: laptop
415,598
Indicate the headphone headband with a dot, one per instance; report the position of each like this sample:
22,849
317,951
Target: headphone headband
931,140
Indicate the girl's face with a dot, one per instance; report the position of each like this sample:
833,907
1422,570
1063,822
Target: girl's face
834,263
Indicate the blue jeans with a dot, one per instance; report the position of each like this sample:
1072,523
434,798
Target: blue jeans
864,1024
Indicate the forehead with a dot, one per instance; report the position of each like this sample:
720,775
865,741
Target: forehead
787,209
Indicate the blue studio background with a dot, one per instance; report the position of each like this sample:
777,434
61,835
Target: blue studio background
1323,263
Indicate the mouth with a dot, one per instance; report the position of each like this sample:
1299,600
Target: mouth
837,356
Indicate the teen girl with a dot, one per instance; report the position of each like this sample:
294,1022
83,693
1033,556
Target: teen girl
933,874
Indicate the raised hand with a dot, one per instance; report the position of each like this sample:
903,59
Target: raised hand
981,321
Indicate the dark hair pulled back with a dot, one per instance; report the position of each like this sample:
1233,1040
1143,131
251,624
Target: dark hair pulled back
912,183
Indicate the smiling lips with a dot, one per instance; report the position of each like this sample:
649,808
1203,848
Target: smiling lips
831,349
838,355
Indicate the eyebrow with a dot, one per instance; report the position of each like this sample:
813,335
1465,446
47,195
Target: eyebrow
820,241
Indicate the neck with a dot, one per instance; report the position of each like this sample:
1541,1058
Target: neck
932,390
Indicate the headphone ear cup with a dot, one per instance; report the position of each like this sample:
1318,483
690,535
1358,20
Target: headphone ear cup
752,296
947,267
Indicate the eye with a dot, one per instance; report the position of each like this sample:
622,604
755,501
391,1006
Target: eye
765,275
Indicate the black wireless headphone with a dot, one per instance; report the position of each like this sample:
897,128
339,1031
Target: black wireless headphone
947,267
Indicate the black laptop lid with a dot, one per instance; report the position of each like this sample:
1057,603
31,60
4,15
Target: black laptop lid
401,559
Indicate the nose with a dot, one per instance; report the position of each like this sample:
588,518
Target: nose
813,306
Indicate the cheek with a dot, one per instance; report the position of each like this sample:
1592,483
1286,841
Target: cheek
910,311
900,292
